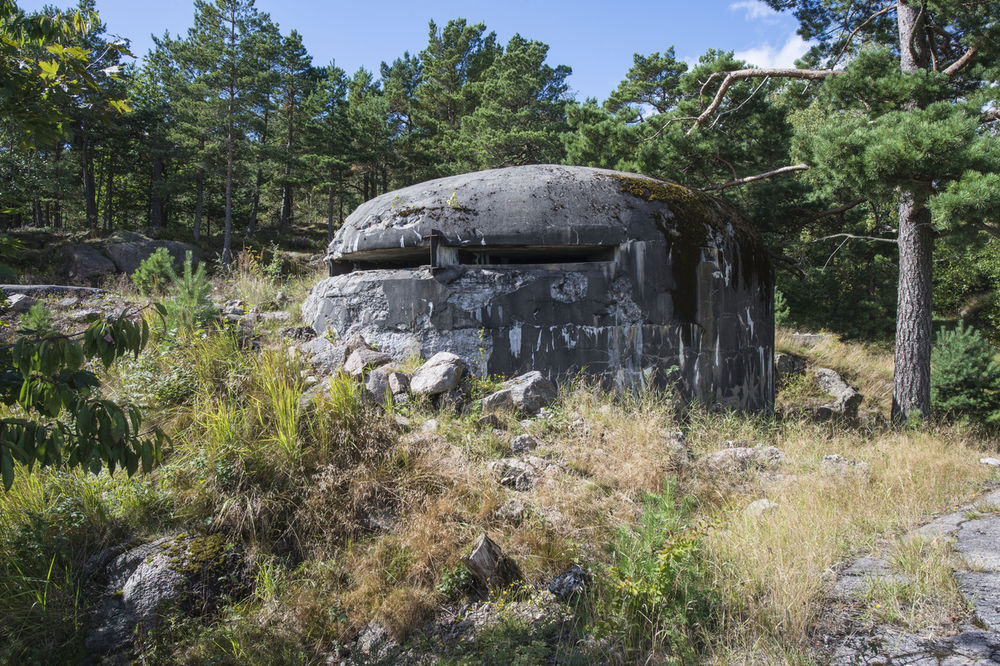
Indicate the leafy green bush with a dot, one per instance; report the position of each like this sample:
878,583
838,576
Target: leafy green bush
965,376
155,273
189,306
657,597
37,321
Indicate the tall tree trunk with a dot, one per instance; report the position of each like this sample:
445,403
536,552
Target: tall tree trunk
255,203
286,186
911,393
329,211
156,213
109,195
89,187
199,204
57,217
36,210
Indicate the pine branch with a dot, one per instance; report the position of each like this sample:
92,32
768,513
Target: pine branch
740,74
955,67
761,176
850,38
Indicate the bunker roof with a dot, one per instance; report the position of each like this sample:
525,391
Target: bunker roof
533,206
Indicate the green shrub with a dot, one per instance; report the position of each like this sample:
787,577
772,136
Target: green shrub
965,376
657,599
189,306
155,273
37,321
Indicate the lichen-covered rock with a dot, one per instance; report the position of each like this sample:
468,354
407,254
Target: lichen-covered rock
523,443
846,399
570,584
441,373
183,573
527,393
787,366
835,464
736,460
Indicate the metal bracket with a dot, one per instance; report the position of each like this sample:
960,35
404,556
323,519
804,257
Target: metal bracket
435,237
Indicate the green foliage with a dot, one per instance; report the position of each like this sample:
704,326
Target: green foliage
189,306
657,596
455,581
37,321
154,273
66,421
965,376
782,313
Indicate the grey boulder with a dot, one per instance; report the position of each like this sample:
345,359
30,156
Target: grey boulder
526,393
441,373
743,459
19,303
846,399
85,262
363,359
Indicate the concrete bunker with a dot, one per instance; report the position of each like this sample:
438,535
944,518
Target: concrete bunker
560,269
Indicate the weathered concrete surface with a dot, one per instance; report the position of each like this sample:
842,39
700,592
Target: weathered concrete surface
975,533
561,269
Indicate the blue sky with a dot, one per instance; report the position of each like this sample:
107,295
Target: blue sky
596,39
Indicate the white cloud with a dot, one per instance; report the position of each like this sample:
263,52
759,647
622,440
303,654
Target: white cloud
767,55
755,9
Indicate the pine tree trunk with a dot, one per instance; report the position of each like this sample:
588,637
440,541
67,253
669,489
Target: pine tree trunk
156,217
911,394
89,186
109,195
329,212
199,205
912,378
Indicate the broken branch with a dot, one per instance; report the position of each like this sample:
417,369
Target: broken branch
737,75
760,176
957,66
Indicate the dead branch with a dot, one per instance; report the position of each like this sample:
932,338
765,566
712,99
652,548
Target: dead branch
955,67
740,74
836,211
850,38
990,116
760,176
853,237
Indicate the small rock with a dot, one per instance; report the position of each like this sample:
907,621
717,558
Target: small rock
835,464
992,462
758,508
356,342
323,353
430,425
489,421
362,359
298,332
19,303
280,298
376,643
527,393
490,566
811,339
441,373
846,399
86,315
280,315
519,473
523,444
513,511
401,421
787,366
310,380
377,384
570,583
233,308
399,382
742,459
68,302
